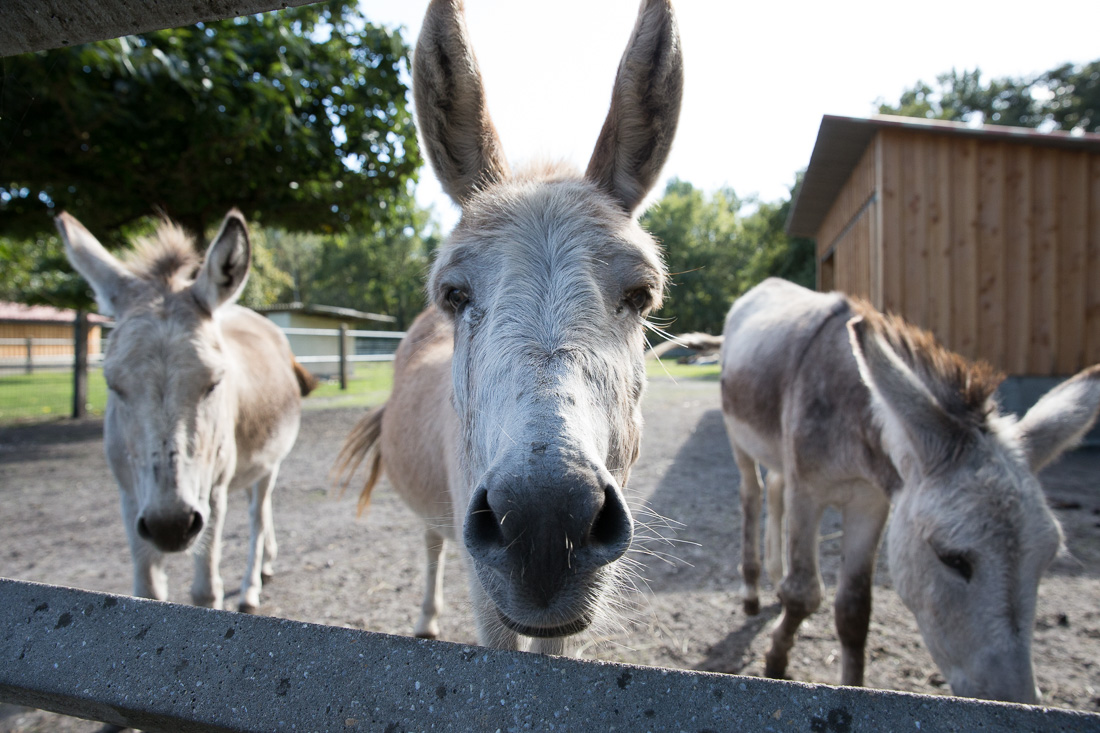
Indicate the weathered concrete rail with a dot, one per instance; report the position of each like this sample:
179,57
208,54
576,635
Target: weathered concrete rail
35,25
162,666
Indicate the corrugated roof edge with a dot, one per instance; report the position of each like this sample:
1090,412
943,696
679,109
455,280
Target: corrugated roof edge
326,310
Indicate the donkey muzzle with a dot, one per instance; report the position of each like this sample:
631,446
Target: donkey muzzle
539,540
170,532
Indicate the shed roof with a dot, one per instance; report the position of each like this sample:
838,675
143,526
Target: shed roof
841,142
331,311
19,313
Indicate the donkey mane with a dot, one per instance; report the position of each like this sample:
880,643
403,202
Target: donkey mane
168,253
963,388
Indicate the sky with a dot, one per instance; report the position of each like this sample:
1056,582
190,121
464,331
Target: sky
758,76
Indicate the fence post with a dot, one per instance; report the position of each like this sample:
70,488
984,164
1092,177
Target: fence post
343,356
80,363
30,355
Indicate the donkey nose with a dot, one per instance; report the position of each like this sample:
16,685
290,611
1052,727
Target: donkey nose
170,533
546,533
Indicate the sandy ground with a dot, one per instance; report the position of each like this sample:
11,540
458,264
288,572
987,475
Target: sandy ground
59,523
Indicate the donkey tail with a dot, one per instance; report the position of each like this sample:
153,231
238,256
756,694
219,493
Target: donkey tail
306,381
361,445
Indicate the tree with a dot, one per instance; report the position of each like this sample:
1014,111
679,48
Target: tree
716,252
381,270
1074,96
300,118
1066,98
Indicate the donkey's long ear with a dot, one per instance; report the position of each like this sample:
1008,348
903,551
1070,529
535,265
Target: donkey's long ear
455,128
110,280
645,107
917,432
1059,420
225,267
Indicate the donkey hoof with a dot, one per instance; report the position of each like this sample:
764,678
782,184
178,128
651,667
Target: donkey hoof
248,608
751,606
426,634
775,670
266,578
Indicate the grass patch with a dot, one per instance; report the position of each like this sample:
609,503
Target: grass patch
369,386
47,396
669,368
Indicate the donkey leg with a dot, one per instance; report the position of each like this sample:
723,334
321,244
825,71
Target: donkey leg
559,645
774,539
271,546
427,627
490,631
259,515
800,590
863,525
206,588
150,580
750,530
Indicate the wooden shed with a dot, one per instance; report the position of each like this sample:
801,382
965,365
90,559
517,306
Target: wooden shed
988,236
34,336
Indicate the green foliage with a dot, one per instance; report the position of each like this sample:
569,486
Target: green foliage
715,252
1066,98
380,270
299,118
1075,96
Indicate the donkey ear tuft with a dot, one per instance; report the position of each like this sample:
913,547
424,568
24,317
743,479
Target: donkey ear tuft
917,433
451,112
226,265
110,280
645,109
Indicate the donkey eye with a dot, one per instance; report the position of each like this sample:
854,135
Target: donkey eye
456,299
957,562
210,389
638,300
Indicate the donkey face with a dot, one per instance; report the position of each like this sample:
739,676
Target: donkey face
548,280
971,534
169,428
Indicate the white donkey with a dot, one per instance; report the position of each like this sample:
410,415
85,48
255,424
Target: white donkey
515,414
205,396
970,534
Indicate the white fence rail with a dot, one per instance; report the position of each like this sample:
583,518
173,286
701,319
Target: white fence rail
327,352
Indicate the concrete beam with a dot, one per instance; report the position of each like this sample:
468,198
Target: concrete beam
161,666
36,25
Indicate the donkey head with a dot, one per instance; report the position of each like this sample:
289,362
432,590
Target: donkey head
169,428
548,280
970,534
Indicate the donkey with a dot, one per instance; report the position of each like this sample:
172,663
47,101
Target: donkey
204,396
847,407
515,414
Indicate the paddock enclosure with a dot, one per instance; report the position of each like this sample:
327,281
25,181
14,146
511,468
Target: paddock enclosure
60,519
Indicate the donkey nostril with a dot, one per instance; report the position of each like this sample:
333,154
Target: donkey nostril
143,529
195,526
612,527
482,528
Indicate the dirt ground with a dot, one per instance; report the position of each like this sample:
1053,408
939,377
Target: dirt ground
59,523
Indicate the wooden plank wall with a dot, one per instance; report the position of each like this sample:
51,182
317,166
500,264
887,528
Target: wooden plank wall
851,199
992,245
